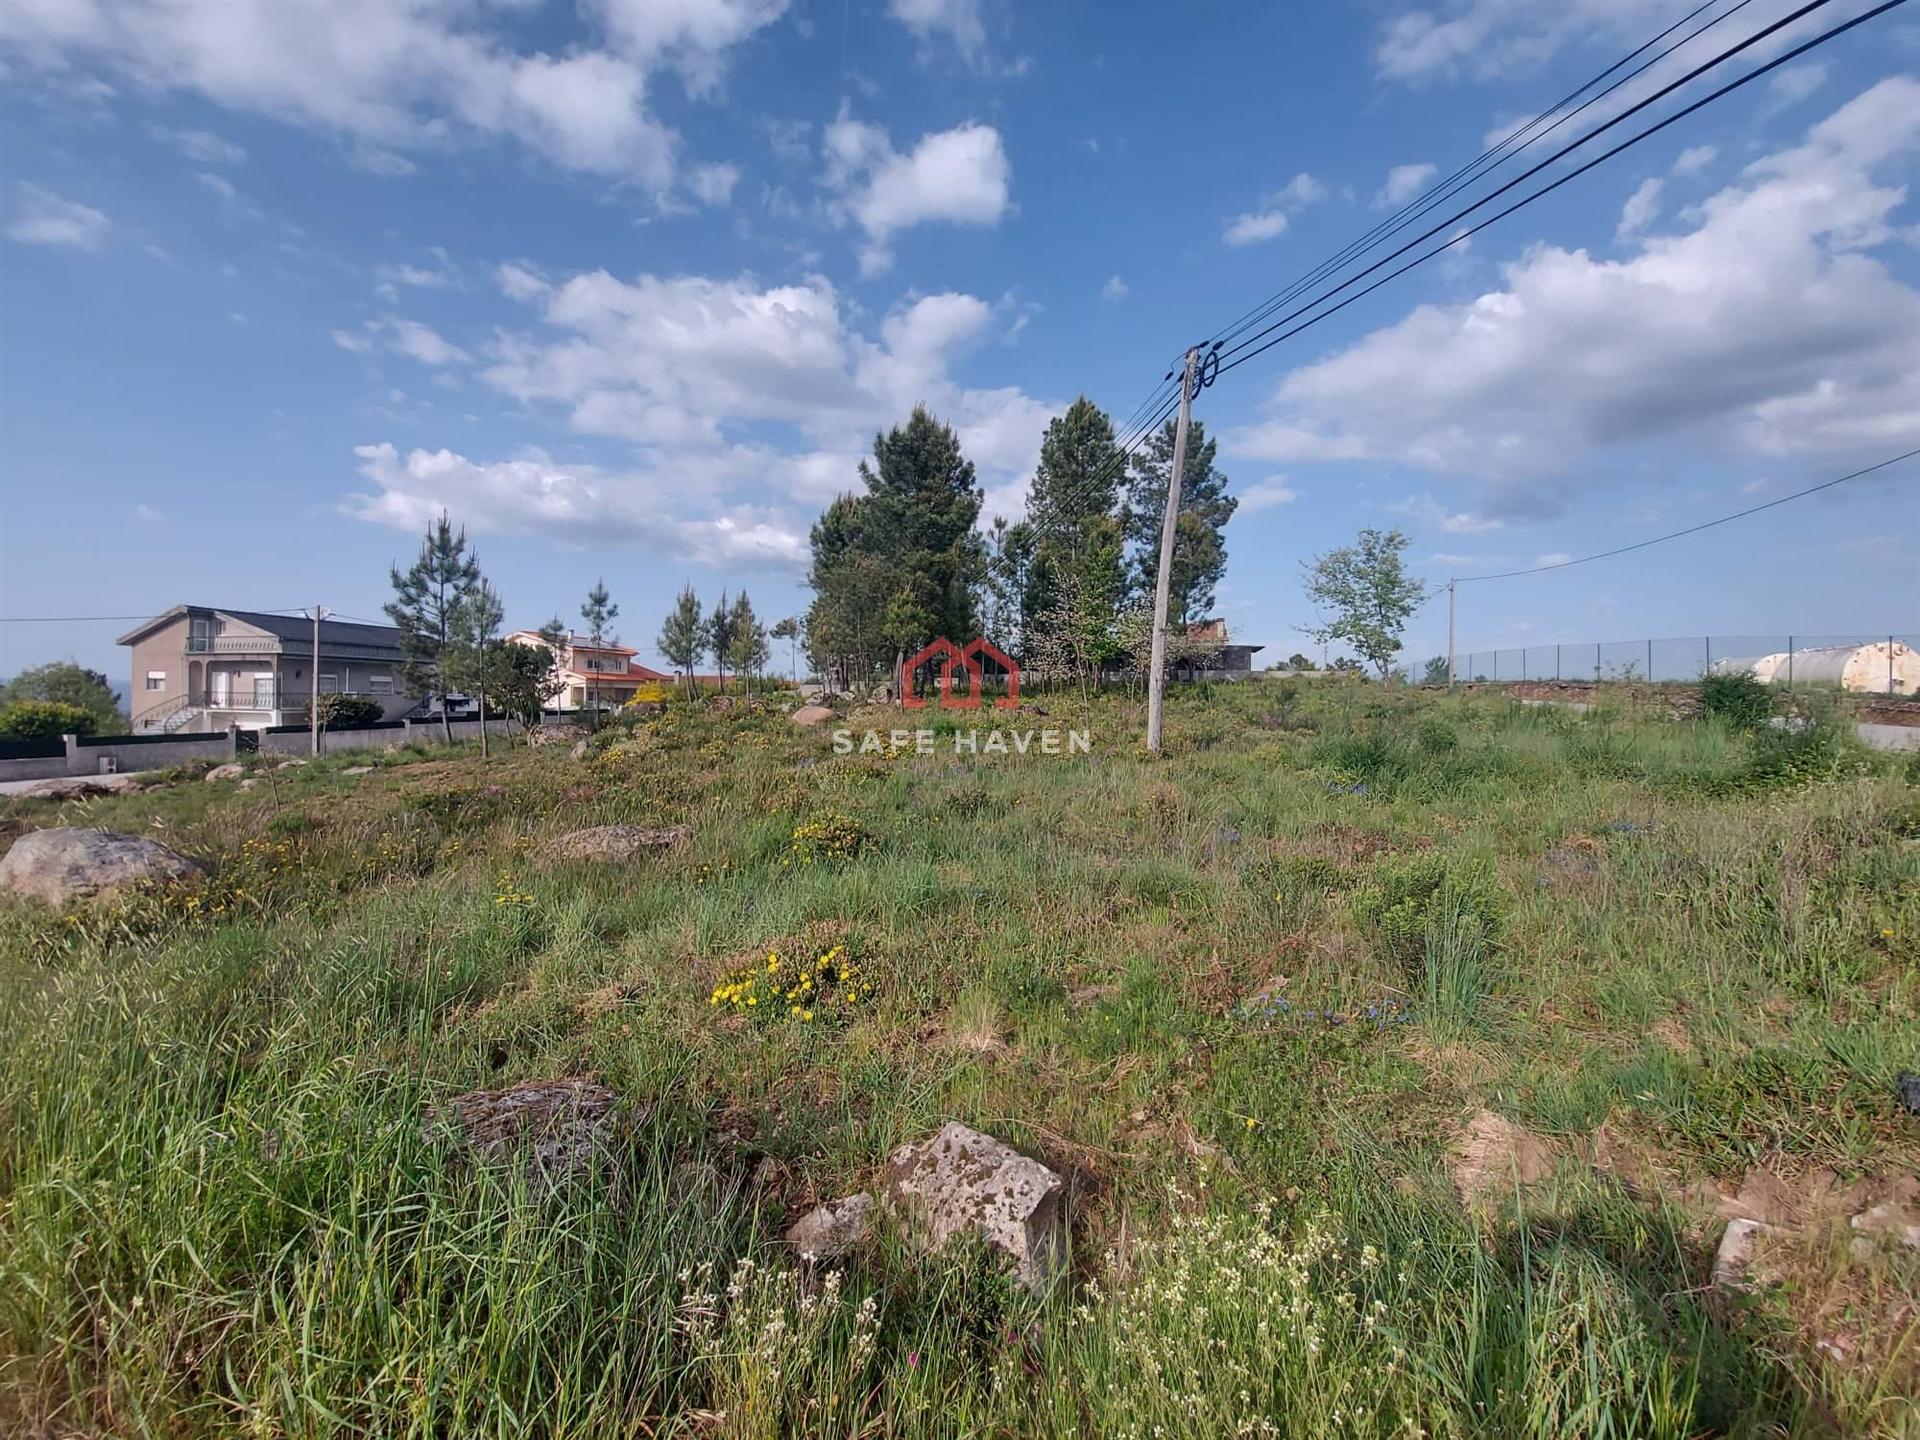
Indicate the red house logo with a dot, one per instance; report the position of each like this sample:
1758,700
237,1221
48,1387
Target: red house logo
953,658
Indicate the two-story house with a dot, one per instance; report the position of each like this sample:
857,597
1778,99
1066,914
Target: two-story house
204,667
602,676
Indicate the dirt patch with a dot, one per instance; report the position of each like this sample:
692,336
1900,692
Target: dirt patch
1672,1034
1492,1157
1888,712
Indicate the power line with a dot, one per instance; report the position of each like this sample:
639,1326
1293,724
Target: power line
1651,130
1464,176
89,619
1691,529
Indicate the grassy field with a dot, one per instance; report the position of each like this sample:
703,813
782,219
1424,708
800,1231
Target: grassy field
1248,998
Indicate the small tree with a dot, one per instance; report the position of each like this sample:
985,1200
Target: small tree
683,635
748,650
43,720
69,684
349,712
1297,661
476,631
1436,673
720,637
523,680
789,631
425,600
599,612
1366,594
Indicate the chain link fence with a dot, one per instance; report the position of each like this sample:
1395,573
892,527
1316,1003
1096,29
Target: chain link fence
1886,664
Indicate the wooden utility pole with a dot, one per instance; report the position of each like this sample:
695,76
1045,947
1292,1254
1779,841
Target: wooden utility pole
1157,664
313,682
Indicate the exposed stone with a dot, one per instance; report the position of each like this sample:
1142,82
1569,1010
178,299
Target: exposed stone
1889,1222
62,865
962,1181
556,1126
1494,1157
358,770
550,735
248,783
75,787
230,771
1907,1086
831,1230
1733,1261
811,715
615,843
579,750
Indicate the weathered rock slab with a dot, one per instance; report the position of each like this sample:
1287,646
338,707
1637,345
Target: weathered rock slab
811,715
230,771
1733,1261
74,787
614,844
555,1126
64,865
962,1182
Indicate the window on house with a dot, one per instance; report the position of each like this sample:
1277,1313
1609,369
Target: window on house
156,679
379,684
329,684
263,692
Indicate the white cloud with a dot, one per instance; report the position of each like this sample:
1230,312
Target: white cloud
422,343
1794,83
960,21
1768,328
1269,217
1114,289
148,514
353,340
960,176
375,161
1266,494
405,73
1403,183
232,203
1453,522
1489,39
44,218
1641,209
442,274
534,494
1552,557
742,397
713,184
200,146
1695,158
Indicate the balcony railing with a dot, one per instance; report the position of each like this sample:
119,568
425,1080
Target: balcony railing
233,644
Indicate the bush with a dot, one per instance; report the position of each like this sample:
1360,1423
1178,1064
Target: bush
347,712
1740,700
43,719
1401,900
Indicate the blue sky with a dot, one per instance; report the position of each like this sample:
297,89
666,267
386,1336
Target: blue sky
628,285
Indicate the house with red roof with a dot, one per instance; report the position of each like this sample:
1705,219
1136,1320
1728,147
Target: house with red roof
603,676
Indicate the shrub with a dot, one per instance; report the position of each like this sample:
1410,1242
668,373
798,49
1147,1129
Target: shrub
347,712
1740,700
829,987
43,719
1400,900
828,837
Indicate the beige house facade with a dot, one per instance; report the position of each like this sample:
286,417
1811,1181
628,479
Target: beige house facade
603,676
199,668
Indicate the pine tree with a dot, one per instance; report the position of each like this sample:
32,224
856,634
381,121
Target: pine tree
683,634
1199,546
599,612
747,648
476,630
426,597
1076,541
720,637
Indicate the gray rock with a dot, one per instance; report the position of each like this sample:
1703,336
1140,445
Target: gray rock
249,783
550,735
964,1182
358,770
1890,1223
1733,1261
555,1126
579,750
831,1230
79,786
1907,1085
63,865
811,715
230,771
615,843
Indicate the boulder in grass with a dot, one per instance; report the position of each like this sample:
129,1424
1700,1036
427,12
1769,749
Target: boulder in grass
962,1182
230,771
834,1229
61,866
615,844
811,715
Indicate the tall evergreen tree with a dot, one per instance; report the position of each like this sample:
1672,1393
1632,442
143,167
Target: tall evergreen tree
1077,542
720,637
922,501
683,634
476,631
599,612
1199,545
425,599
747,648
